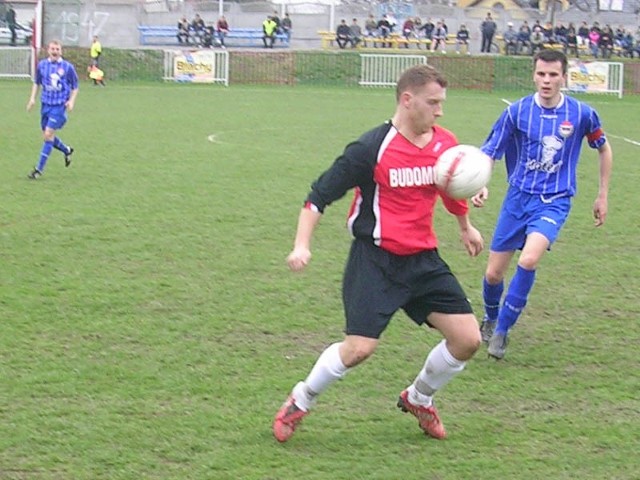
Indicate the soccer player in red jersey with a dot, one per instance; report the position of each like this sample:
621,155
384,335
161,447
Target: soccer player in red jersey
394,262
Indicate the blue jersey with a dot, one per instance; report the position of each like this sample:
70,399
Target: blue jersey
541,145
57,79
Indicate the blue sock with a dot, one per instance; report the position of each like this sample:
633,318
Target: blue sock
516,299
492,295
44,155
58,145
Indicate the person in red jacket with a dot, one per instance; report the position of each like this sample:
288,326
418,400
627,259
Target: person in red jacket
394,262
222,28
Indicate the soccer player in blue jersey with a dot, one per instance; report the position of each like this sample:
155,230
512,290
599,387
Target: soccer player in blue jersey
59,82
540,137
394,261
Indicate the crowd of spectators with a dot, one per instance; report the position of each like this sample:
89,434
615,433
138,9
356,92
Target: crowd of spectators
595,40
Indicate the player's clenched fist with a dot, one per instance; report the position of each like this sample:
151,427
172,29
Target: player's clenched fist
298,259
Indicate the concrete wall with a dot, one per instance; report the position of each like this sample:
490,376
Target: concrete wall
115,21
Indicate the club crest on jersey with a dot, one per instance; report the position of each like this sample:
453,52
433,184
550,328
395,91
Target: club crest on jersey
566,129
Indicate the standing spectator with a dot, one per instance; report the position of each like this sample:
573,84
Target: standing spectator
95,51
541,156
287,26
222,29
355,33
488,30
10,18
343,34
439,38
394,262
462,38
510,38
59,82
269,28
183,30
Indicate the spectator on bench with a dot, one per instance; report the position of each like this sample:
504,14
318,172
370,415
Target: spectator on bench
198,27
462,38
183,30
269,29
343,34
286,25
439,37
571,44
222,28
355,33
510,38
524,39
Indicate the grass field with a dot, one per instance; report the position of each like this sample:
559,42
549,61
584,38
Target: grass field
150,328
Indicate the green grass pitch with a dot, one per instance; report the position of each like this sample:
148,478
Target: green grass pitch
150,328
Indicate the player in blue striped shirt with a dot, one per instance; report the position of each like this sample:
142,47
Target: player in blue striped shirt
59,82
540,137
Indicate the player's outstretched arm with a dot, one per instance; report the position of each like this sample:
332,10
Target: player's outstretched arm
600,206
301,253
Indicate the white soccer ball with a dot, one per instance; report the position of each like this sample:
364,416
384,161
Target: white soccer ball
462,171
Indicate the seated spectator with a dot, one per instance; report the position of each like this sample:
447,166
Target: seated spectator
286,25
207,37
571,44
371,27
537,40
343,34
269,29
583,35
198,28
408,30
560,33
439,38
222,29
627,45
510,38
524,40
462,38
355,33
183,30
427,29
594,41
635,49
96,75
605,42
384,30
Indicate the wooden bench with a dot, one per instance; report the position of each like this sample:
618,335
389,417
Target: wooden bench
393,41
236,37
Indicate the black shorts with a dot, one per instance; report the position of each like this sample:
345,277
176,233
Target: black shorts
377,283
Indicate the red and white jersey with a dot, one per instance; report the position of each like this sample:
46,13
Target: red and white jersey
394,187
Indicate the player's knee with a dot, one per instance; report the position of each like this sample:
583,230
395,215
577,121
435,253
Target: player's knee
493,276
528,261
357,350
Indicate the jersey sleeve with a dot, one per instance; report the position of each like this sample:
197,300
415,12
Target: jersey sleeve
455,207
350,169
500,135
595,135
72,77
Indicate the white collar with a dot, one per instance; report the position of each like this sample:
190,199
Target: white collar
536,98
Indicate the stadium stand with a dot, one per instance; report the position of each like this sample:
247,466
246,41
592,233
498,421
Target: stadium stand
237,37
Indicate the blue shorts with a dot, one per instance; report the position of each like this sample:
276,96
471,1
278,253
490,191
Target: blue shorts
525,213
378,283
53,116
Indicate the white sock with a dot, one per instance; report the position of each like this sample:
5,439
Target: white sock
438,370
328,369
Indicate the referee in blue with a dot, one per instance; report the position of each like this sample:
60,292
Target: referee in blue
540,137
59,82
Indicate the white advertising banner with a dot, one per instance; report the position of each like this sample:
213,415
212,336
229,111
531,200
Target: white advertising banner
588,77
196,66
